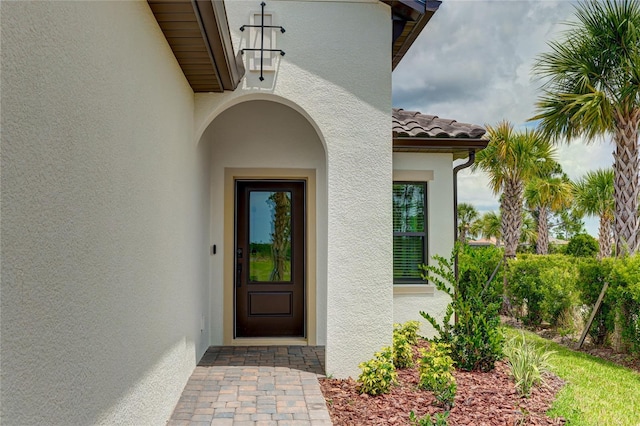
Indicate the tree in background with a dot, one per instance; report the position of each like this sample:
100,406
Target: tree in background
489,226
511,159
594,195
529,231
592,88
544,195
467,215
582,245
568,223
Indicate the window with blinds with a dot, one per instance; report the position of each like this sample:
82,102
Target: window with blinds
409,230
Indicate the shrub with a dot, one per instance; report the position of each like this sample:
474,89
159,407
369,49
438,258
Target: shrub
436,373
474,338
404,336
439,419
582,245
625,280
592,275
409,329
541,288
378,374
527,363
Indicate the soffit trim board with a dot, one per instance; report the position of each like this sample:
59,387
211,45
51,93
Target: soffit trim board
212,17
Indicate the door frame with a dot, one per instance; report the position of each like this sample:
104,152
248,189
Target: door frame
230,176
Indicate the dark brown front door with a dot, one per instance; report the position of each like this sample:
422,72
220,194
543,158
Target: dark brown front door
270,259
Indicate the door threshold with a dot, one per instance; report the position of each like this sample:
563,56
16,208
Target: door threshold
270,341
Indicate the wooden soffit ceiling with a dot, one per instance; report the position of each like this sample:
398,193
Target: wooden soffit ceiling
198,33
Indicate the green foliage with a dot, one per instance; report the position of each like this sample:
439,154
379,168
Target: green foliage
436,373
439,419
542,287
475,339
404,336
409,329
378,374
592,275
582,245
527,363
597,392
625,281
622,299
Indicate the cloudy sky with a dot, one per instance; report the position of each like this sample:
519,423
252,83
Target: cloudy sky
473,63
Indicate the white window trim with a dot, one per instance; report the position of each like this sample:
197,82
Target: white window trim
409,289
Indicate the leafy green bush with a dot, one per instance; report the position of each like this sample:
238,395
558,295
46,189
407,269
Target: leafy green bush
474,338
592,275
541,288
621,303
527,363
625,280
409,329
404,336
378,374
436,373
582,245
439,419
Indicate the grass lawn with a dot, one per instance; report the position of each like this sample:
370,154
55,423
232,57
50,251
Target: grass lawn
598,392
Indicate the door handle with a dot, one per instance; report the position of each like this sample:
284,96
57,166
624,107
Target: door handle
238,274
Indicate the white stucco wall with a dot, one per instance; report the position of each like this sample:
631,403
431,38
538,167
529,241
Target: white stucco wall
407,306
337,73
105,217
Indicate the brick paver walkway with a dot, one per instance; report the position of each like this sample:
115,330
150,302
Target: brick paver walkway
257,385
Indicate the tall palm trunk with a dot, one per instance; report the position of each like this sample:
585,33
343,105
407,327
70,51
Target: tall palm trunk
604,237
626,185
542,243
511,204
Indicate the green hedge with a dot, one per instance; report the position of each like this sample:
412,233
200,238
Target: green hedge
541,288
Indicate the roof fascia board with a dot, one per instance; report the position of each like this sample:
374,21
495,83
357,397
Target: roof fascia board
439,143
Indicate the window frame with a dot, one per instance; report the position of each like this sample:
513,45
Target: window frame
424,234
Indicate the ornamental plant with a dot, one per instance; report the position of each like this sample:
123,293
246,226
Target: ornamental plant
404,336
527,363
409,329
438,419
474,339
378,374
436,373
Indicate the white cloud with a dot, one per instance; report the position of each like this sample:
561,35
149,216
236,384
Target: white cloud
473,63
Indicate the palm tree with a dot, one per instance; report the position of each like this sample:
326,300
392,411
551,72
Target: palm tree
511,159
544,195
467,215
592,88
594,196
529,232
489,226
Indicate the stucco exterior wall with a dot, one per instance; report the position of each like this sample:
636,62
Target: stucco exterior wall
105,217
337,74
408,304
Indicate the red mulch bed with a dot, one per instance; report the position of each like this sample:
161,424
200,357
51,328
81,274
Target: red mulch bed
482,399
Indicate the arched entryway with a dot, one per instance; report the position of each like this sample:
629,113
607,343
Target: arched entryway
268,226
